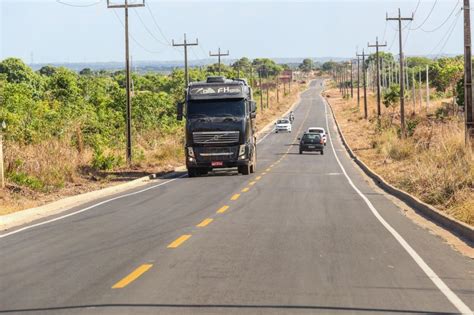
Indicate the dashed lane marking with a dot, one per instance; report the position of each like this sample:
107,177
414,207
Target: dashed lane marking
205,222
132,276
180,240
222,209
235,197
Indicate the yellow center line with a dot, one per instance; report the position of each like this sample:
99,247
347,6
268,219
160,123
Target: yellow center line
252,183
180,240
235,197
205,222
132,276
268,169
258,177
264,173
222,209
245,189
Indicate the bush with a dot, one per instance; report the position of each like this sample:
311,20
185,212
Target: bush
26,180
106,162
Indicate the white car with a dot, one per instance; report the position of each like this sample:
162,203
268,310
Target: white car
319,130
283,124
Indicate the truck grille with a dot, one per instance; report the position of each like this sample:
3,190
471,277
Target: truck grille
216,153
216,137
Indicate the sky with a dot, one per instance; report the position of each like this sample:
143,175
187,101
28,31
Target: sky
87,31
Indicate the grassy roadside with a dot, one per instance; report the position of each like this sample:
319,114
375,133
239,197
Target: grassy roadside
432,163
55,169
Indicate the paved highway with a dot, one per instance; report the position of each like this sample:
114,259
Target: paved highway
304,235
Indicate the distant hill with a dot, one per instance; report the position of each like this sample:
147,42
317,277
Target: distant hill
168,66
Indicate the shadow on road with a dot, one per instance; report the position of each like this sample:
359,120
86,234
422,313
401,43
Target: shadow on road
225,306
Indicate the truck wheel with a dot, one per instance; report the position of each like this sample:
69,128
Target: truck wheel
193,172
322,152
244,169
253,167
301,152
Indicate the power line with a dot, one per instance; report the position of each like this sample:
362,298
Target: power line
148,30
444,22
135,40
79,5
449,35
158,26
427,17
446,35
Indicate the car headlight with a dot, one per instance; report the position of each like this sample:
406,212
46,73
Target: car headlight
190,151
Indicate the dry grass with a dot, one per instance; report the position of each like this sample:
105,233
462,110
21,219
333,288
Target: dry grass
433,164
42,173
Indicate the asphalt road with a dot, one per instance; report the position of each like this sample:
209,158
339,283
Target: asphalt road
306,234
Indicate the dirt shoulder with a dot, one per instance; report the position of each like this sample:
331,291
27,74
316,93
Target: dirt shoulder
432,163
164,157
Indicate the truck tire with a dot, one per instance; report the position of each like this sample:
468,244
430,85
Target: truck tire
244,169
193,172
322,152
253,167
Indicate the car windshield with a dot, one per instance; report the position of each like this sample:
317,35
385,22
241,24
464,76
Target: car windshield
283,121
216,108
309,136
316,130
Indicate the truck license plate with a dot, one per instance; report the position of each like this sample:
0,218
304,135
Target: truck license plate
217,163
311,147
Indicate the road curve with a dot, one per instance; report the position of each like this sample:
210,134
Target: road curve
306,234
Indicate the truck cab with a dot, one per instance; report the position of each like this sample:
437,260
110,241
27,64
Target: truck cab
220,126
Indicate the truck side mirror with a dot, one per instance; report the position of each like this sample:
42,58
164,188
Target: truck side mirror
253,106
179,115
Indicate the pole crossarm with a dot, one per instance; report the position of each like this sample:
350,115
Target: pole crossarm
125,5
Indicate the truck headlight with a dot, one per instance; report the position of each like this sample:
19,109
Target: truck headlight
242,150
190,151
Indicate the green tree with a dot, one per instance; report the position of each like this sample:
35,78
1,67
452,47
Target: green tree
47,71
307,65
446,72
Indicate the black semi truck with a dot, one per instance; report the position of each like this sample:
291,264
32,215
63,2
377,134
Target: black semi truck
220,131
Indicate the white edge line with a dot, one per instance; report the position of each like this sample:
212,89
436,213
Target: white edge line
448,293
89,208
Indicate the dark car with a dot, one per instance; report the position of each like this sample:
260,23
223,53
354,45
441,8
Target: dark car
311,142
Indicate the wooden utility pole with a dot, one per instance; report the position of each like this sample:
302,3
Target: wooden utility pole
126,6
413,91
468,109
402,86
260,87
377,80
219,55
352,78
185,44
358,82
364,73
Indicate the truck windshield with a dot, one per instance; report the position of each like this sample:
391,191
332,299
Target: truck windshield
217,108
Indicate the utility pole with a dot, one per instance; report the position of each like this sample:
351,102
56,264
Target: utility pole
185,44
2,170
420,90
413,92
219,55
427,88
364,73
358,82
261,90
402,86
126,6
377,46
352,78
468,109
